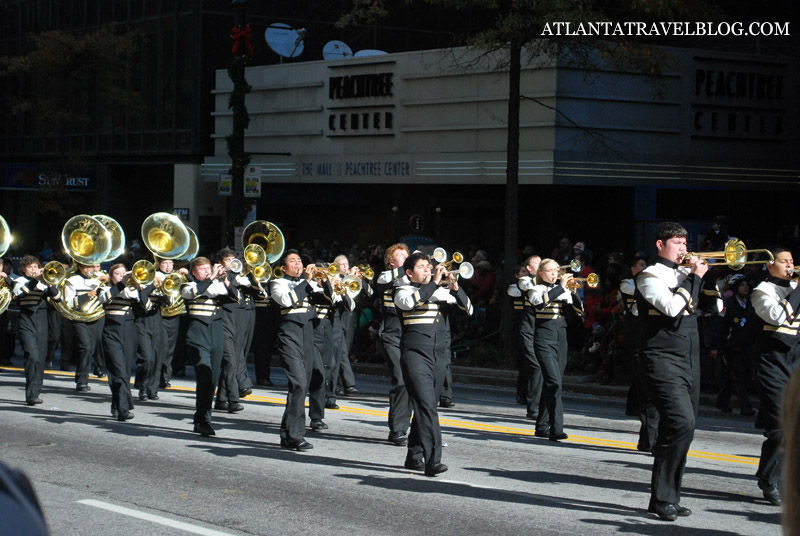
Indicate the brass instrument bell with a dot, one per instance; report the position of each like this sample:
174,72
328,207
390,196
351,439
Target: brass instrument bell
86,239
143,273
350,285
117,236
171,286
591,281
5,236
573,266
734,255
165,236
267,235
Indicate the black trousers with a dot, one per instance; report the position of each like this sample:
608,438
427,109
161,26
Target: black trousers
228,390
32,330
149,354
204,352
399,400
673,386
530,378
59,332
447,381
245,338
119,343
87,337
423,363
170,326
343,370
776,365
264,332
323,344
551,351
304,374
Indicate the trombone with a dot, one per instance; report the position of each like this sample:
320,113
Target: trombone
734,255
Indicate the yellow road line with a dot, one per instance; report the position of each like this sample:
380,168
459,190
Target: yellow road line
455,423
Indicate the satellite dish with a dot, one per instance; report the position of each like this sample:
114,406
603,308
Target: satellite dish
336,50
369,52
284,40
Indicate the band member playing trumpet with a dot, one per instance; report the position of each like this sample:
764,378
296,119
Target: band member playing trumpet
668,296
228,390
204,336
552,298
173,314
149,341
296,347
424,349
530,392
80,295
32,294
777,302
119,340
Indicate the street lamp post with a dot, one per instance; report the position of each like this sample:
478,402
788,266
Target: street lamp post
242,54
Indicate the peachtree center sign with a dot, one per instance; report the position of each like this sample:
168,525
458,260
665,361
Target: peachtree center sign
356,168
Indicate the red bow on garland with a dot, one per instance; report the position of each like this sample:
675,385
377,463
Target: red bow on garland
240,35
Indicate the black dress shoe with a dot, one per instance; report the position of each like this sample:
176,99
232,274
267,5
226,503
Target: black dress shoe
339,391
222,406
558,436
204,429
48,365
664,510
682,511
83,388
128,416
152,397
299,446
318,425
246,392
414,465
542,433
398,438
771,493
142,396
435,469
331,405
99,373
165,385
350,391
264,382
446,403
114,413
235,407
33,401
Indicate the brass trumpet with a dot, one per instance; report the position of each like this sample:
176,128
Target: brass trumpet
591,281
171,286
573,266
440,256
350,285
277,272
143,273
366,272
734,255
323,273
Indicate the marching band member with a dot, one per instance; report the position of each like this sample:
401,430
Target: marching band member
119,340
59,328
424,347
296,346
342,378
204,337
552,297
326,323
527,329
80,294
267,319
776,302
668,295
173,313
149,341
32,294
399,401
228,390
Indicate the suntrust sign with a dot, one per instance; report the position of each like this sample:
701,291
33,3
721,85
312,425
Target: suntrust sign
361,105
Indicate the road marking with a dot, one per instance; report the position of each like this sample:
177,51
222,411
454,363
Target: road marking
153,518
468,425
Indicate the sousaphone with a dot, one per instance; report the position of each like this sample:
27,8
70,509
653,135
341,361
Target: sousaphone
267,235
5,243
165,236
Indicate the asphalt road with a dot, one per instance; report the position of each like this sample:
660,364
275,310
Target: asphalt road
152,475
